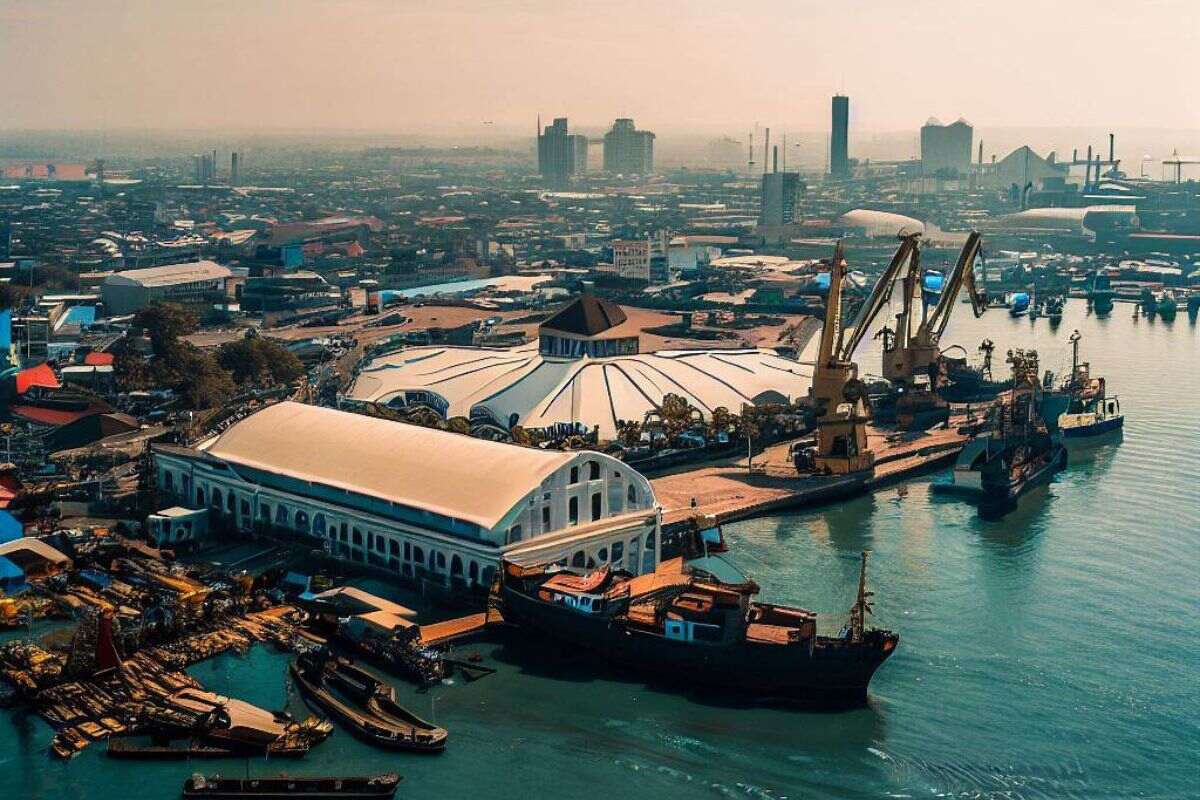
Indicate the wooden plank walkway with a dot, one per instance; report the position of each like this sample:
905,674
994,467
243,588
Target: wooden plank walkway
452,629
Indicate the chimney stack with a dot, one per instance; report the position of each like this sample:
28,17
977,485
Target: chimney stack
775,159
1112,148
766,149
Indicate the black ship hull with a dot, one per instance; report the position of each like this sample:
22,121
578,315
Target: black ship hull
832,673
1000,494
378,787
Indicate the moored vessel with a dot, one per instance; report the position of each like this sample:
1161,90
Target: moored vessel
694,620
365,787
1091,411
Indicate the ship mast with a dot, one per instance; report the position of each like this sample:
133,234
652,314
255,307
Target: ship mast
862,606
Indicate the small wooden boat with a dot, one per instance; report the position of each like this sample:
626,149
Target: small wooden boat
380,720
112,724
93,730
366,787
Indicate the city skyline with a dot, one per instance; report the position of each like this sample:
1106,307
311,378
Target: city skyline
354,65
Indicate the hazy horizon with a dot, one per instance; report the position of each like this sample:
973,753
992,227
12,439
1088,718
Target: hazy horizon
375,66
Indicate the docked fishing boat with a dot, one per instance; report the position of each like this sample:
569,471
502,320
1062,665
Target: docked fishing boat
1054,308
1092,411
1021,447
966,382
366,787
378,718
694,624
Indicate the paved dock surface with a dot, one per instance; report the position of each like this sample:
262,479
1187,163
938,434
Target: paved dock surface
730,492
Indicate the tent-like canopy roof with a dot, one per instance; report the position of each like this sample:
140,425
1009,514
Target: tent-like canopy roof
544,390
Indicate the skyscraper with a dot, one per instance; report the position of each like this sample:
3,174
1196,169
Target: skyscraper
561,154
839,151
627,150
946,148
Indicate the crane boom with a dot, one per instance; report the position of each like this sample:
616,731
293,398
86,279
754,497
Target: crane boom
962,275
880,294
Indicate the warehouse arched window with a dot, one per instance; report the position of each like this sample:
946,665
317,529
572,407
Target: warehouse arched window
573,511
632,497
200,497
281,516
456,566
578,559
593,470
319,525
216,499
302,521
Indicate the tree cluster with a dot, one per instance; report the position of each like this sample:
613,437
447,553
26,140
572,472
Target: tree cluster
202,379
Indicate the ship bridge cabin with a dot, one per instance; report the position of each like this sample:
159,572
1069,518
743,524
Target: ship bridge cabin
412,501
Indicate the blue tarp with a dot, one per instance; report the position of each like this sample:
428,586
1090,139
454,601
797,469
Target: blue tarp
95,579
12,577
10,527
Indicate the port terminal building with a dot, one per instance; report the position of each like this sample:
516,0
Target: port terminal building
417,502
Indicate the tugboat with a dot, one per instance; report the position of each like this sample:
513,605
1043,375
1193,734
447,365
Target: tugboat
1022,450
1092,412
694,621
367,787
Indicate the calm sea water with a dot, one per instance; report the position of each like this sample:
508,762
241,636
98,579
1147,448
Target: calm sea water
1052,654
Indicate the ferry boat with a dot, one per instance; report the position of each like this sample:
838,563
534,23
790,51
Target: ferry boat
1092,411
367,787
694,623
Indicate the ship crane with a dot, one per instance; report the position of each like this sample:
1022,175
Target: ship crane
908,352
839,397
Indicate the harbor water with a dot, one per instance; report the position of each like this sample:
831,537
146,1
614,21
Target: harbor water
1051,654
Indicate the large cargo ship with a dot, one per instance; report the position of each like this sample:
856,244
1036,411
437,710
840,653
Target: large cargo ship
694,622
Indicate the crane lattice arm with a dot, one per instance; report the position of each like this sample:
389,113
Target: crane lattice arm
879,296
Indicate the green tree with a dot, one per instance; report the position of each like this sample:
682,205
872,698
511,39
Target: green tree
259,361
164,323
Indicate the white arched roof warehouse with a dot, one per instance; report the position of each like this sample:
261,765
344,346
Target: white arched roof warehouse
524,386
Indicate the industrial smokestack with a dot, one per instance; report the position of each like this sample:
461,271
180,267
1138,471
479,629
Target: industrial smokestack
775,159
1087,178
1112,147
233,168
766,149
981,152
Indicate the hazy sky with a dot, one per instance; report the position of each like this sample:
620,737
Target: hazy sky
415,66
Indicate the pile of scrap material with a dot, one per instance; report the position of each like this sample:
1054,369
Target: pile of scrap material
151,693
29,668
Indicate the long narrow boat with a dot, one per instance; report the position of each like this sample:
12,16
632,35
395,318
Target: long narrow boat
383,730
147,748
367,787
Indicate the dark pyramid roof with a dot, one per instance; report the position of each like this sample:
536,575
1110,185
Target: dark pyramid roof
586,315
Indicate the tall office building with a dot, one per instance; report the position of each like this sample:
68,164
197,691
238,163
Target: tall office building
628,151
946,147
561,154
780,191
839,150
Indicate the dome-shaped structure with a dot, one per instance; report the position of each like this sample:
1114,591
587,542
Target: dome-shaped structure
874,224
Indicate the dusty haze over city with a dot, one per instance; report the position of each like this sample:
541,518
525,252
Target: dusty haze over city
482,71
